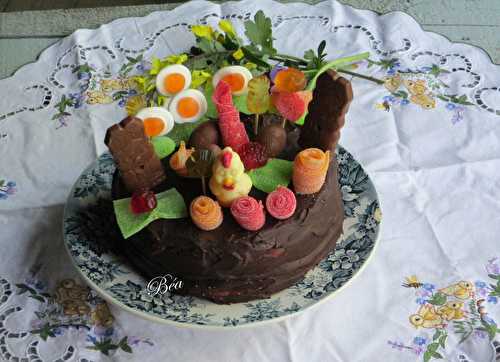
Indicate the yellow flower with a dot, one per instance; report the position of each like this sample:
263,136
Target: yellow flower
250,65
134,104
175,59
238,54
227,27
202,31
199,77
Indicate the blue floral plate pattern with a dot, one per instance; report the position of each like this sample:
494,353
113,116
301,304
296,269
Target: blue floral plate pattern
117,282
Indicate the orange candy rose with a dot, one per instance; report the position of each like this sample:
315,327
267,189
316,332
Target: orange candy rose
206,213
309,170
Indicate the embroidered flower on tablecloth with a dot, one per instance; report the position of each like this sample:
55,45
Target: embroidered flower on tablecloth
7,189
458,309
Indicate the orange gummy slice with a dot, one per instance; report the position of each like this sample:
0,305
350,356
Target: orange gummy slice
290,80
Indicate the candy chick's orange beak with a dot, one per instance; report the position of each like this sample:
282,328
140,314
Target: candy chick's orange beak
228,183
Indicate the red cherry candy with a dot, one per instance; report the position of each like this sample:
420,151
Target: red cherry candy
142,201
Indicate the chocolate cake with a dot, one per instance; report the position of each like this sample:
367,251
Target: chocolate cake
230,264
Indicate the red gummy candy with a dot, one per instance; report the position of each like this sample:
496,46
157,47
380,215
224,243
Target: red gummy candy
281,203
253,155
142,201
231,128
249,213
222,96
292,105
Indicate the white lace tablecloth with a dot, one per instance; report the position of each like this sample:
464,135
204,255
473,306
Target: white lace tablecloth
430,140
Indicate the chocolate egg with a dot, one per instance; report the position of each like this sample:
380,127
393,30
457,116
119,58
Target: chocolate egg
205,135
273,138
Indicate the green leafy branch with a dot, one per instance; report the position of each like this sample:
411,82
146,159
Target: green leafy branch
107,345
455,98
61,107
126,68
33,293
49,330
384,63
438,340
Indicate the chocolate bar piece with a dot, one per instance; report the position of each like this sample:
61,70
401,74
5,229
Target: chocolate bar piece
326,114
134,155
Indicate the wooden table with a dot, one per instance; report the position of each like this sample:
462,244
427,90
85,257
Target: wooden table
23,35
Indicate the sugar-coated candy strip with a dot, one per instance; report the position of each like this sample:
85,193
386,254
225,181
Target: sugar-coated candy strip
309,170
249,213
206,213
281,203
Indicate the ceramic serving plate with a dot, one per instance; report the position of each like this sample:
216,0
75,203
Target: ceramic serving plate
116,281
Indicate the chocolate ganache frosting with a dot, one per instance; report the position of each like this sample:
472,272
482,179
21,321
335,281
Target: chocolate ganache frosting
230,264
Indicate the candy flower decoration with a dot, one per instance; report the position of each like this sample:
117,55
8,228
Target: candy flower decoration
206,213
281,203
157,121
231,128
178,160
309,170
142,201
248,213
229,180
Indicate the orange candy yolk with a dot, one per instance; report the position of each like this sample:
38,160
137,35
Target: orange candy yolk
153,126
188,107
174,83
290,80
236,81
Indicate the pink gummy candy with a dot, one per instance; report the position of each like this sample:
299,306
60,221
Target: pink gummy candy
281,203
248,212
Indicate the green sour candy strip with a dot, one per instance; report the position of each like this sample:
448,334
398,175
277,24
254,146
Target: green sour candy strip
170,205
276,172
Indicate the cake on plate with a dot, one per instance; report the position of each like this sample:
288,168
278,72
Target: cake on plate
226,173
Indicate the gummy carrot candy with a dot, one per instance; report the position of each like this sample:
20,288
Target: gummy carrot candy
248,212
289,80
205,213
309,170
178,160
231,128
281,203
292,105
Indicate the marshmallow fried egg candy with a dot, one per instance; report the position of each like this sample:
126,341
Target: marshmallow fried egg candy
188,106
157,121
236,76
173,79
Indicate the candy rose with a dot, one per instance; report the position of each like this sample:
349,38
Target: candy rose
248,212
205,213
309,170
281,203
